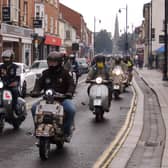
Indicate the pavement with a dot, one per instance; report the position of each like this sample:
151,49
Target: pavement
153,78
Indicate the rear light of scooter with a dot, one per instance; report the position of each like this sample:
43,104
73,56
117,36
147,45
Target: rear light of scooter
7,95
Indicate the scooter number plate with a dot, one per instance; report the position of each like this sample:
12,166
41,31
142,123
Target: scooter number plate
116,87
97,102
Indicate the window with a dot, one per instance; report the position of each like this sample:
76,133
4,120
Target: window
37,11
46,23
51,25
15,10
56,3
25,17
56,32
68,35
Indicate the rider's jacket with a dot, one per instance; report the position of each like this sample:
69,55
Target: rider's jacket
58,79
8,73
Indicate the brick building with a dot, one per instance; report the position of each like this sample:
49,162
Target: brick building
77,21
46,35
16,28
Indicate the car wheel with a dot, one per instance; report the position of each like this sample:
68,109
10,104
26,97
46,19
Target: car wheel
24,89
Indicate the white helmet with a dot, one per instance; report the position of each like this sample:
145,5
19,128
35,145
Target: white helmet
7,56
71,56
9,53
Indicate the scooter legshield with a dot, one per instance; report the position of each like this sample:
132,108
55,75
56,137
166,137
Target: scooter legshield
98,96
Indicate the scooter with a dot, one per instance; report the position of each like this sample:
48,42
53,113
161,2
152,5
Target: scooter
49,120
7,114
99,97
117,78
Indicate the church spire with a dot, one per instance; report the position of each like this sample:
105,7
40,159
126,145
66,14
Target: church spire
116,37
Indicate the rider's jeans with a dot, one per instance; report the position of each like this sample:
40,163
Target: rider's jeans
15,94
69,109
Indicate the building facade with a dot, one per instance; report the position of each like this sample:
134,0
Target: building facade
16,28
46,33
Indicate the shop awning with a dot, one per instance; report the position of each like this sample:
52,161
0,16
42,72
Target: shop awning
52,40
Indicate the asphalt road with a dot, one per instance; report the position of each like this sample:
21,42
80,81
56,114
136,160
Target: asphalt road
90,139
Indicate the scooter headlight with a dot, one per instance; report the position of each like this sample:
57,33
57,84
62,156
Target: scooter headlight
118,72
49,92
99,80
1,85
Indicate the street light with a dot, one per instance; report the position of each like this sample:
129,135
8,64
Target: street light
126,33
94,35
165,53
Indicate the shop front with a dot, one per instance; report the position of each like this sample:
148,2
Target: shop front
51,43
19,39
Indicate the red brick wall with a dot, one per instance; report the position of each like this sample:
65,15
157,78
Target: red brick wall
72,17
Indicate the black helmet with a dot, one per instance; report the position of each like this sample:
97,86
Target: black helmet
100,58
117,59
55,56
7,56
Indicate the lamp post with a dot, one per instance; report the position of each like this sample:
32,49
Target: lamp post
94,34
166,38
126,32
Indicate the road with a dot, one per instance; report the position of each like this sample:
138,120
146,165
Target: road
90,139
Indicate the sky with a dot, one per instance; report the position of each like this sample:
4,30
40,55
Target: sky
106,11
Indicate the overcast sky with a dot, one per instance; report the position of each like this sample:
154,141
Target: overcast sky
106,10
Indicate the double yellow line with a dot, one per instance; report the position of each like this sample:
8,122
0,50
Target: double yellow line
108,155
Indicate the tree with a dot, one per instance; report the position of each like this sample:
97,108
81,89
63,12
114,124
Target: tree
122,41
103,42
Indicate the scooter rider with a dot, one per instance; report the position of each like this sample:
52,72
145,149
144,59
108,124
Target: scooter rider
9,76
99,69
57,78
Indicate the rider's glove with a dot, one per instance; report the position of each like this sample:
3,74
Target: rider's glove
34,94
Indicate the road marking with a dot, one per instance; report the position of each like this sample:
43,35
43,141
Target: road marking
105,159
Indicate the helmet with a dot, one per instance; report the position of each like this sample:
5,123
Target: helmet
7,56
55,56
72,56
117,60
54,60
100,61
100,58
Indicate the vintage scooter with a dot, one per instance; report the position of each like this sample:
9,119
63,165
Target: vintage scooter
49,120
118,78
98,97
7,114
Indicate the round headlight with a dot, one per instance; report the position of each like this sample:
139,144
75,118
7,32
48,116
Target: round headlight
1,85
118,72
99,80
49,92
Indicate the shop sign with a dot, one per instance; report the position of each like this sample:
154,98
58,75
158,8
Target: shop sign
6,14
15,30
37,23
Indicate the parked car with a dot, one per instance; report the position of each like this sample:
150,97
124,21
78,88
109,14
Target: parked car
26,77
38,67
83,65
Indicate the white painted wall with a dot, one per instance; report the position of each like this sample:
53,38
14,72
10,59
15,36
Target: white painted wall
157,21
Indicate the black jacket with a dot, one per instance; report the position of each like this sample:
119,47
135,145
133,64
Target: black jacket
59,80
8,73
